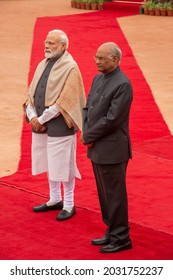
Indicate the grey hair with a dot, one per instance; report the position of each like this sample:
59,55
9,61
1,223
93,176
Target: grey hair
116,51
62,35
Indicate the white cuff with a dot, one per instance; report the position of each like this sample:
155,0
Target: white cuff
48,114
31,112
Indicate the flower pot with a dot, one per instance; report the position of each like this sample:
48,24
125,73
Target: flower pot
73,4
78,5
87,6
151,12
146,12
163,13
157,12
170,13
83,6
100,7
94,6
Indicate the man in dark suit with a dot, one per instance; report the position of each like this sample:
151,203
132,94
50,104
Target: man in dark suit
106,133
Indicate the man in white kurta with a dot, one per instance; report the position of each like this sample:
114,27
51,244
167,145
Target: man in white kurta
54,109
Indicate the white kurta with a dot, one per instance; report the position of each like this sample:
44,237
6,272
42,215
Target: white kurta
55,155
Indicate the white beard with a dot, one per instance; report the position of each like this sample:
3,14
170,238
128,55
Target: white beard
50,54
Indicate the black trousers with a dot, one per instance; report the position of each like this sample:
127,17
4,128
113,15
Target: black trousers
111,187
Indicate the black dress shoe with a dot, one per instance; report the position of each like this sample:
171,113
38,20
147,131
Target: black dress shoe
101,241
44,207
116,248
64,214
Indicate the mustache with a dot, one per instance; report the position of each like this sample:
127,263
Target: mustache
47,50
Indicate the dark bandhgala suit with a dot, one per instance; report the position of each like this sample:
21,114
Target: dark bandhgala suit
106,124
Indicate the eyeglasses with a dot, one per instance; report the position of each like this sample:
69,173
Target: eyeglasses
100,58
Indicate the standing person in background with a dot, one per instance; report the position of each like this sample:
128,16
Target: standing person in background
54,109
106,133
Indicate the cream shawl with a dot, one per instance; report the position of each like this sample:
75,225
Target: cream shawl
64,87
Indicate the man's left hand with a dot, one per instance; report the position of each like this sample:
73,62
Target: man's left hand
36,125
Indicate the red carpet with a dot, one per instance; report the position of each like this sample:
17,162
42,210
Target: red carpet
124,5
149,173
27,235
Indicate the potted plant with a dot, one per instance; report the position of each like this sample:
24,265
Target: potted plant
88,5
163,8
157,9
145,6
169,8
100,4
73,3
151,8
78,4
93,4
83,4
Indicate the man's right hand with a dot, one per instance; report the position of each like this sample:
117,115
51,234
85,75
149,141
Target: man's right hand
81,138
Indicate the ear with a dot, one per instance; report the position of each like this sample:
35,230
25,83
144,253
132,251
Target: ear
63,45
115,58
